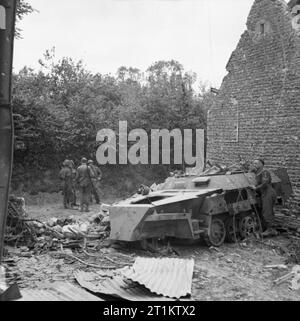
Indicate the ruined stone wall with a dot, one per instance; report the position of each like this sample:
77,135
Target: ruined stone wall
257,112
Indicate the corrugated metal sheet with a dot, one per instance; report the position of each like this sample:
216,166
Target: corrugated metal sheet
58,291
166,276
115,285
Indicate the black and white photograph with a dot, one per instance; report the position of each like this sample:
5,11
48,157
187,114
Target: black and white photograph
149,154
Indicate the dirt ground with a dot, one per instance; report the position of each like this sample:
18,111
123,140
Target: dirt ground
43,213
235,272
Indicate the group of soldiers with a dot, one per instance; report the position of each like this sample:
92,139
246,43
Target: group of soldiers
86,179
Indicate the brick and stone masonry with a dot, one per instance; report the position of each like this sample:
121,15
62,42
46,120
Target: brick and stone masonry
257,110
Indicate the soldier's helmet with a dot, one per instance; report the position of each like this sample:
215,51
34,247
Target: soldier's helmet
261,160
69,163
66,162
90,162
83,160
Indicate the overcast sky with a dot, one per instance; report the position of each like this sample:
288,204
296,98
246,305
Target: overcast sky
107,34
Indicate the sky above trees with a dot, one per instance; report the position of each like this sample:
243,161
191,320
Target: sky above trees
107,34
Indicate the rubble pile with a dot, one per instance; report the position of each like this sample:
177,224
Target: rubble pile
18,230
288,222
54,233
293,252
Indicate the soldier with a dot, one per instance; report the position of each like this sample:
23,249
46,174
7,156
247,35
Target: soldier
66,176
266,194
83,179
96,178
72,166
143,190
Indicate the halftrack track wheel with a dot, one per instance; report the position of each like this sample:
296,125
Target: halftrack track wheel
216,233
248,226
232,230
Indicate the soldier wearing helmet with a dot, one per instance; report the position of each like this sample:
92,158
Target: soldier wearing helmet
67,189
84,180
96,177
72,166
265,193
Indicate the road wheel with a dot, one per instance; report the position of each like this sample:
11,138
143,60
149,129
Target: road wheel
248,226
217,233
232,230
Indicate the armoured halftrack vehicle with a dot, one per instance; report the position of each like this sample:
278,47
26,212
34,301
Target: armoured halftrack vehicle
214,207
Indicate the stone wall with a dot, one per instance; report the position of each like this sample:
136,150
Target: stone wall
257,111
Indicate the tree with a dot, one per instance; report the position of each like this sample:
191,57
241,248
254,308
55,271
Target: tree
171,98
130,74
22,10
60,108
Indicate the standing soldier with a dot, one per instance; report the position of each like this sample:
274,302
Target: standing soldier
66,176
96,178
83,179
72,165
266,194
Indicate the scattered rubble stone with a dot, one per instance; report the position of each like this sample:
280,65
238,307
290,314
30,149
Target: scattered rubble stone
293,253
28,233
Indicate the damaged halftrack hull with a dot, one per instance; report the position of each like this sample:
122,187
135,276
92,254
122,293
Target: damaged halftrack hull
215,208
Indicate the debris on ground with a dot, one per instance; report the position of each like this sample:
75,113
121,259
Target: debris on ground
292,251
12,293
58,291
213,248
147,279
39,237
276,266
105,261
295,284
114,284
294,275
51,249
18,228
59,265
2,279
7,292
164,276
288,222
